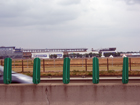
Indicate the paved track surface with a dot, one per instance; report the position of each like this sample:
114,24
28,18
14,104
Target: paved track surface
117,79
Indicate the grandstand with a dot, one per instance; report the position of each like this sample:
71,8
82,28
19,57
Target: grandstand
10,52
55,50
27,53
110,51
13,52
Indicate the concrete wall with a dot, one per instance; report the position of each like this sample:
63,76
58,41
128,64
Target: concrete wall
71,94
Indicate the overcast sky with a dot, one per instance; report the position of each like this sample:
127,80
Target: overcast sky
70,24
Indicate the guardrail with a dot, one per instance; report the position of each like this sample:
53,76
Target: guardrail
7,78
36,71
66,71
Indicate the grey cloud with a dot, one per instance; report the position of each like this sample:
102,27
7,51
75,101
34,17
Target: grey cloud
70,24
132,2
12,9
20,14
69,2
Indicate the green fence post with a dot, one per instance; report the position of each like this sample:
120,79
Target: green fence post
125,70
95,72
7,78
66,70
36,71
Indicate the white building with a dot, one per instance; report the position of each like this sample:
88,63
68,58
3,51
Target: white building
94,52
47,55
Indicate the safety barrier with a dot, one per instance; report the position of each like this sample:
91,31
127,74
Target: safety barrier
95,72
7,78
125,71
36,71
66,71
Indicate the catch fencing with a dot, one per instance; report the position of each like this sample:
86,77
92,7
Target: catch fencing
80,64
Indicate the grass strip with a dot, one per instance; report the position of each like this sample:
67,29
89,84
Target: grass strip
85,73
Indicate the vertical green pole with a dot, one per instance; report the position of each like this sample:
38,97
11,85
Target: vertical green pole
95,72
125,70
66,70
36,71
7,78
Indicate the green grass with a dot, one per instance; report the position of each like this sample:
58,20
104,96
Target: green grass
74,72
90,74
111,71
85,73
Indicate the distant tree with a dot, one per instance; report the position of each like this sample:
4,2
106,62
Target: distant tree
65,55
86,55
100,54
95,55
79,55
74,55
53,56
90,54
118,54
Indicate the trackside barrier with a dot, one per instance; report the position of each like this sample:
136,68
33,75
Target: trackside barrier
125,71
95,72
7,78
36,71
66,71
